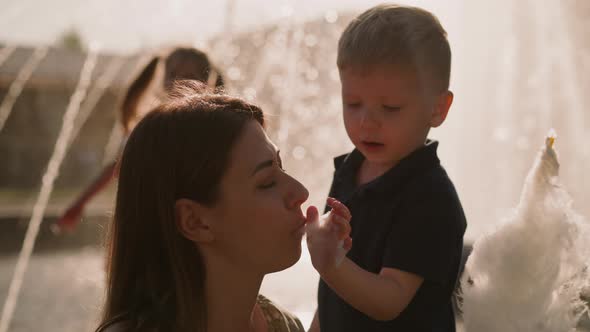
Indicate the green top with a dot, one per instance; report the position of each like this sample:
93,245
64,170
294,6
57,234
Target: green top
278,320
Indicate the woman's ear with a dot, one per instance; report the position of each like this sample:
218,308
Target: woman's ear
191,222
441,109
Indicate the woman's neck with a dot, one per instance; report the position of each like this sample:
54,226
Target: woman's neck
231,296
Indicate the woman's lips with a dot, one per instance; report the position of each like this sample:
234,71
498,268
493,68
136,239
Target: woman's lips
300,229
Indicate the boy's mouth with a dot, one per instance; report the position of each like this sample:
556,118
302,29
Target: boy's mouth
370,145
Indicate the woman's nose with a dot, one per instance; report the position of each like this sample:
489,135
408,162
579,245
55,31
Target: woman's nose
298,194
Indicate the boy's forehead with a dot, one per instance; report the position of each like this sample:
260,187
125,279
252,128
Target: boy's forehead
377,69
391,77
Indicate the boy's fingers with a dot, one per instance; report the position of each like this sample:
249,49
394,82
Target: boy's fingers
339,208
342,213
312,215
343,225
347,244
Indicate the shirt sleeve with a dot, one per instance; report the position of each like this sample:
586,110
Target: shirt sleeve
425,236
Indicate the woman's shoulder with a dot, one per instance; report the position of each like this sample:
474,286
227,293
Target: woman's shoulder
117,327
123,323
119,323
279,320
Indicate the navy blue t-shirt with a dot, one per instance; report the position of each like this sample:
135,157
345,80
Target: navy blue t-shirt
411,219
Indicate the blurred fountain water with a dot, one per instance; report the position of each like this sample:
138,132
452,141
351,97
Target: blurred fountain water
100,86
17,86
289,69
520,71
5,52
113,143
63,140
117,132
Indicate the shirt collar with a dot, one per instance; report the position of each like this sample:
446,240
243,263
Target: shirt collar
412,165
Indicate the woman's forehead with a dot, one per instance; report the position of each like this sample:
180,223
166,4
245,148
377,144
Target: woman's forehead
252,147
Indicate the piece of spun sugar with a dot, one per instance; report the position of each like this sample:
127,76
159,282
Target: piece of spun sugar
530,274
551,136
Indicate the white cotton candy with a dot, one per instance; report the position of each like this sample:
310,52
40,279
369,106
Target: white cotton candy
530,272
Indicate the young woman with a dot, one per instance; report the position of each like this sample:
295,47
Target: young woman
204,210
147,89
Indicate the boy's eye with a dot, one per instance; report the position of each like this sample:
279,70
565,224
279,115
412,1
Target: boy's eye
391,108
353,105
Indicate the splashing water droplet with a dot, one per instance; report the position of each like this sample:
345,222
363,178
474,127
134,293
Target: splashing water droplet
522,143
501,134
311,74
233,50
335,103
286,11
334,75
258,39
276,81
331,16
299,152
250,94
234,74
311,40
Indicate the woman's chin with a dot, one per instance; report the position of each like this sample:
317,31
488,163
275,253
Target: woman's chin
289,260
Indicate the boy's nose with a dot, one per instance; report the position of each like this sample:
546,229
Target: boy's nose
367,119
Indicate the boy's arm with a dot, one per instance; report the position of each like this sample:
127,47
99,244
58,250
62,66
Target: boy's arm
415,251
380,296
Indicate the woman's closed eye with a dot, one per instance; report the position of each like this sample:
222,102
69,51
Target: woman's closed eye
271,181
272,168
267,184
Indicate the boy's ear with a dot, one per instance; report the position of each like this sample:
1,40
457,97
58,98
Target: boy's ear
191,222
441,108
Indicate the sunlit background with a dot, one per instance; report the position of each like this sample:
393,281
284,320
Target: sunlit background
519,69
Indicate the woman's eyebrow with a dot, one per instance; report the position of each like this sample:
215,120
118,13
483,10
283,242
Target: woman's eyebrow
265,164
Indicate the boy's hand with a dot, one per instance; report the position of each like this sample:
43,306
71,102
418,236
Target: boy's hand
328,236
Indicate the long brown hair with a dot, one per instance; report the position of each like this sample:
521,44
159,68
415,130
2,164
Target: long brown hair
181,63
155,276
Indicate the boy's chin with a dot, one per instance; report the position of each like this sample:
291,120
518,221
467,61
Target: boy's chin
372,150
384,159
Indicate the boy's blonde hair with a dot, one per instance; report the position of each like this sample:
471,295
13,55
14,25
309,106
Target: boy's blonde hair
390,34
